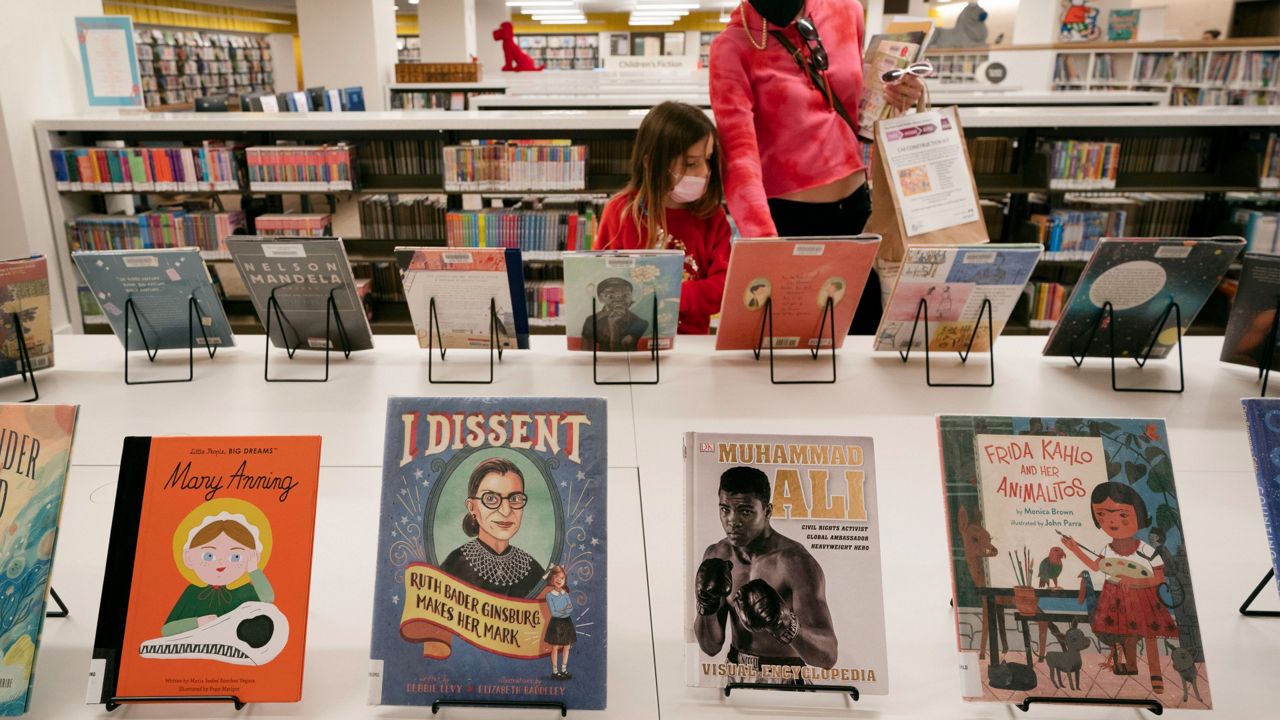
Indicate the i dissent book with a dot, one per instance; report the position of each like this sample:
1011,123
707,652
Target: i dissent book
464,283
208,569
35,454
1069,561
1253,313
492,553
1262,418
24,294
954,282
1140,277
624,285
794,277
302,274
161,284
783,563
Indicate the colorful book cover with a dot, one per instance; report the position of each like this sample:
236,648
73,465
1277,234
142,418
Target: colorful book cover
884,53
1122,24
795,277
463,282
625,287
160,283
24,293
492,553
1069,561
1262,419
783,562
1140,277
1253,313
208,569
953,282
302,274
36,445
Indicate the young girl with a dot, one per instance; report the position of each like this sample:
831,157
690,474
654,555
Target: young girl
674,201
560,634
1130,605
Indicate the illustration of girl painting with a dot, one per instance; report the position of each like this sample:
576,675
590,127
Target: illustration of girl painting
560,634
1129,606
222,550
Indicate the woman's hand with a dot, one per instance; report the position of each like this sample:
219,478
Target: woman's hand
904,92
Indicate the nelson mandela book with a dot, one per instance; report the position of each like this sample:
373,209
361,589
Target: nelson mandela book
492,552
783,562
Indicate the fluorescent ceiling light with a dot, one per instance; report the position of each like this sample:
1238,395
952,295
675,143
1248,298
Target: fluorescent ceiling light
540,3
651,22
540,17
564,22
670,13
658,16
413,2
672,6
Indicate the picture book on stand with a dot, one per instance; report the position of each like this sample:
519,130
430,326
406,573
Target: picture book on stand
302,274
783,562
1253,312
161,284
1140,277
1262,419
491,574
36,445
208,569
954,282
463,282
1069,565
624,285
24,292
799,276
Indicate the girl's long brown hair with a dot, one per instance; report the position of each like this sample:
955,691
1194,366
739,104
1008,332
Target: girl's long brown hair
665,135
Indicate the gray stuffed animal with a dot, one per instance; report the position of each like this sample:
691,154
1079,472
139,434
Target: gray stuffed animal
970,30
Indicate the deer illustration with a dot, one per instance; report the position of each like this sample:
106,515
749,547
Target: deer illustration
977,546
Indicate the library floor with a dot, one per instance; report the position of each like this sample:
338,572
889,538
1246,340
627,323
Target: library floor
877,395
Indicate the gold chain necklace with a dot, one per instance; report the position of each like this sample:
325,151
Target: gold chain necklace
764,28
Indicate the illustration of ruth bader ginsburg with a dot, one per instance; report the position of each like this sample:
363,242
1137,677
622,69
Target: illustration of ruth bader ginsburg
227,611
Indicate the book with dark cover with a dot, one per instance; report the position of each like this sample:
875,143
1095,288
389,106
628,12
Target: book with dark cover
1253,313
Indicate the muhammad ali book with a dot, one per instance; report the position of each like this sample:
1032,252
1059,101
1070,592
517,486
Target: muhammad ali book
208,569
24,292
35,454
464,283
1262,418
1069,564
492,553
794,278
624,285
302,274
1140,277
783,563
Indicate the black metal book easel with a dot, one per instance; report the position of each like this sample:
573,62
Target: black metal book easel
922,313
653,350
1245,607
193,321
62,610
828,318
118,700
1153,706
849,690
531,705
1108,313
434,334
24,360
1269,350
331,316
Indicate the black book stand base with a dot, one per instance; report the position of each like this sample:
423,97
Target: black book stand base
653,350
1248,602
922,315
533,705
1108,316
332,317
118,700
849,690
1152,706
766,331
27,372
193,322
1269,351
62,610
434,335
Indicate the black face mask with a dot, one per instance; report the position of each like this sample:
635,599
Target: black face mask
779,13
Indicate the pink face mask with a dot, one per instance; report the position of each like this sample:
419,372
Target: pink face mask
688,189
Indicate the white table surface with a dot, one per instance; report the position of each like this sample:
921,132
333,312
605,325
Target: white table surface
876,395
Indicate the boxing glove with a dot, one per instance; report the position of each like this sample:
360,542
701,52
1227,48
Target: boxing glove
760,608
712,584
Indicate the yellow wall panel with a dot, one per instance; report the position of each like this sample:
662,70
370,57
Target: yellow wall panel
199,16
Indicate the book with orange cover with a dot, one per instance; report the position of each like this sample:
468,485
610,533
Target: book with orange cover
208,569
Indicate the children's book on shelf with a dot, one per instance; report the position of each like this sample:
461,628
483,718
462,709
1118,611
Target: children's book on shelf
160,284
168,227
208,569
37,456
497,165
795,278
294,224
1140,278
1070,530
1260,229
294,168
464,284
1253,313
783,562
302,274
630,290
953,283
1262,419
1082,165
160,166
25,304
491,574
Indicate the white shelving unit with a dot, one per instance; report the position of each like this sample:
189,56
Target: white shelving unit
1195,75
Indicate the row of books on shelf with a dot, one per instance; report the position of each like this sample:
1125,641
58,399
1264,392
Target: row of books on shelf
544,292
515,165
115,168
1046,302
992,155
1197,97
1260,229
433,99
529,230
287,168
169,228
294,224
1086,219
1083,165
406,156
402,217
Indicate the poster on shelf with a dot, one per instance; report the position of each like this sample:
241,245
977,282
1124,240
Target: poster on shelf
109,61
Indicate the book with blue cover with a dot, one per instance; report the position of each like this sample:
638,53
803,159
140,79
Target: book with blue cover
1262,419
160,283
35,449
491,573
624,285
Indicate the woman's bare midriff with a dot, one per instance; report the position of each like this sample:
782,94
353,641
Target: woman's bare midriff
831,192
